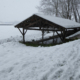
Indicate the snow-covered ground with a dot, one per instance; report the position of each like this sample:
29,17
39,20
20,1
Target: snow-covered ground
20,62
8,31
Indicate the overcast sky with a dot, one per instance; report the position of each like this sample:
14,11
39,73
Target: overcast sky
17,10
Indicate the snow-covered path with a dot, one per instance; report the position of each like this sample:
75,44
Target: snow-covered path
20,62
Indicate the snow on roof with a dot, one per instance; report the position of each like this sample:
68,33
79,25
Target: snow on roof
60,21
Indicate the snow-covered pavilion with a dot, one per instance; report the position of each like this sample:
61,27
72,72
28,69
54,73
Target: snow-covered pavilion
48,23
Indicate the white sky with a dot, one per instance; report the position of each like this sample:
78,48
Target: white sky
17,10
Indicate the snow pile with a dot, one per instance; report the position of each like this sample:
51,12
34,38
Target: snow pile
60,21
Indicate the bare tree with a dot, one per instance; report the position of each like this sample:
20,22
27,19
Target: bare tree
49,7
75,7
68,9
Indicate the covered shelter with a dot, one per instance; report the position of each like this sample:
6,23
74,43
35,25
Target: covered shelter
63,27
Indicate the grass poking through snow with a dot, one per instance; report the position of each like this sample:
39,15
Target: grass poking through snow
46,45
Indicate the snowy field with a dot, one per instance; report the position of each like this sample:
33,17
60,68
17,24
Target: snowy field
8,31
20,62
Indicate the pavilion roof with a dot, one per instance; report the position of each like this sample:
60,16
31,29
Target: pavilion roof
61,22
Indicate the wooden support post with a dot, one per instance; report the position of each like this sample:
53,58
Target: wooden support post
64,33
59,35
42,36
56,39
20,31
23,36
40,27
53,37
23,33
48,29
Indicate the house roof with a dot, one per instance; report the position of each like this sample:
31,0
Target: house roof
66,23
